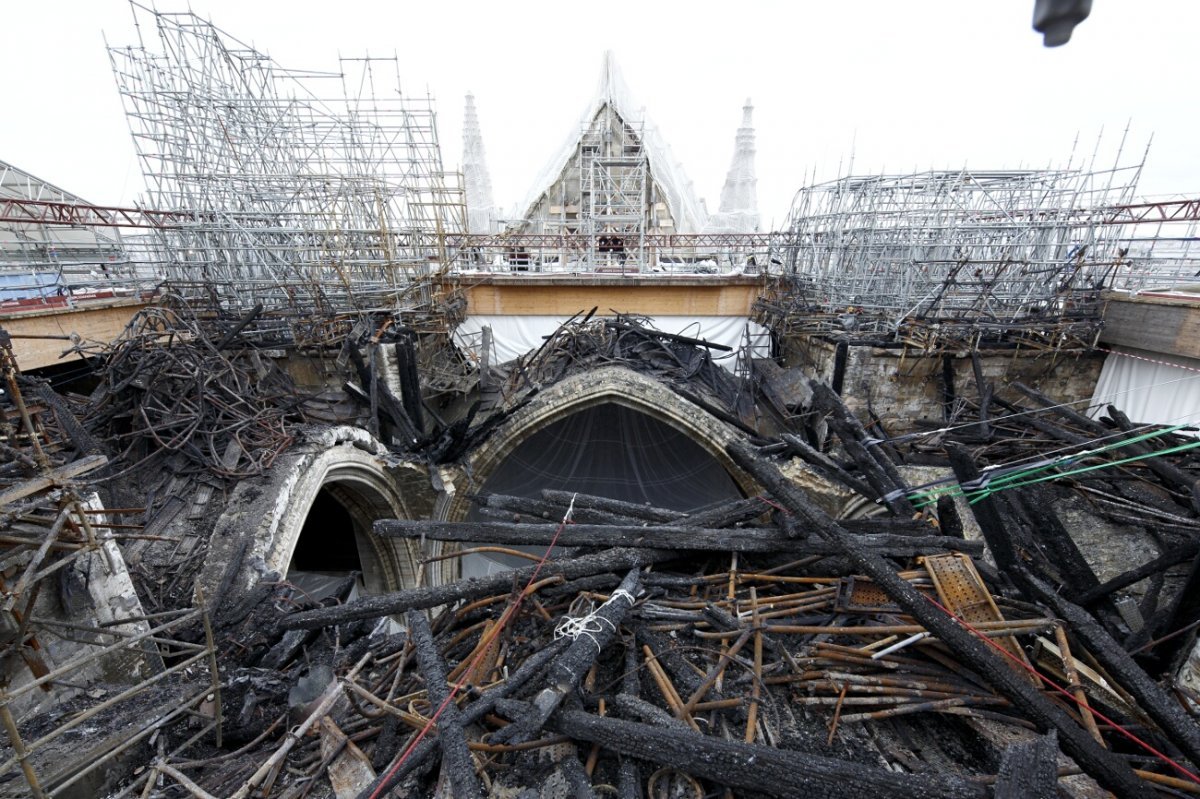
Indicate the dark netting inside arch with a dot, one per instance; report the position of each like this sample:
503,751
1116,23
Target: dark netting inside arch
613,451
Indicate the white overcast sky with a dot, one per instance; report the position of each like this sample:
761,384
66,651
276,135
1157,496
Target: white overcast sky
900,84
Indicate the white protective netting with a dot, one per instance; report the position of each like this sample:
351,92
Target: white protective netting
685,207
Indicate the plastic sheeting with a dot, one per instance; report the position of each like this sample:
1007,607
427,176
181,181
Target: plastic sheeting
686,210
1149,387
21,285
513,336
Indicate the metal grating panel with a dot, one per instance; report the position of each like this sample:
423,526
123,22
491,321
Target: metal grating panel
961,591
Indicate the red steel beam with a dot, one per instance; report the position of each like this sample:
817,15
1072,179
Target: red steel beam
43,212
1166,211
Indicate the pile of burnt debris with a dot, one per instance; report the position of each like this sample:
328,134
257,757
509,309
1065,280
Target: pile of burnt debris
757,647
933,632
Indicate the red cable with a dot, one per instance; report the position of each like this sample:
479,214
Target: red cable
775,505
509,612
1067,694
1148,360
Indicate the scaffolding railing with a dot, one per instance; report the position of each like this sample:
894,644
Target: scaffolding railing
1160,243
582,253
44,261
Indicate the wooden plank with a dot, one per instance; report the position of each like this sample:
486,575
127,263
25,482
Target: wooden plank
1163,327
52,478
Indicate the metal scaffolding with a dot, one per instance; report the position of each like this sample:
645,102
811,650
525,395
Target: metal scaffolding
1161,242
956,255
303,191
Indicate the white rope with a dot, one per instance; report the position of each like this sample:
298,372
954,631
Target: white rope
570,509
590,624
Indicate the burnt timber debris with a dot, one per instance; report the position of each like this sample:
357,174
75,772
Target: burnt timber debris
759,646
255,546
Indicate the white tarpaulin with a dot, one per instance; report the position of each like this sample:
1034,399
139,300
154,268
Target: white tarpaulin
513,336
1149,387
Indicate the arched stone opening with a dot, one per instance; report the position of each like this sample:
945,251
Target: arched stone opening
613,384
611,432
612,450
334,504
318,504
336,539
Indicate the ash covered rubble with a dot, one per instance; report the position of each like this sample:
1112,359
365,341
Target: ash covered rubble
998,607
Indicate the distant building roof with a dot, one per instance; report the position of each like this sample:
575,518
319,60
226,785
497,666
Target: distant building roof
17,239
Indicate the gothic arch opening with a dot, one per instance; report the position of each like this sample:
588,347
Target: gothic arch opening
336,540
613,450
319,511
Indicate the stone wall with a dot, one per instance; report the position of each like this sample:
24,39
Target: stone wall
900,386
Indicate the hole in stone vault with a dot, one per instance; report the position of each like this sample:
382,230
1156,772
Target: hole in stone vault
328,548
612,451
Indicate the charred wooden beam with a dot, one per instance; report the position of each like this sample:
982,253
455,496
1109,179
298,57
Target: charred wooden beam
762,769
1180,554
551,511
949,397
242,324
474,712
724,514
569,669
457,765
721,514
713,410
948,518
1176,724
381,399
841,352
1029,770
666,653
747,539
1122,421
629,775
1105,767
410,379
616,506
986,391
827,467
1170,474
876,467
475,587
1053,539
1164,710
673,337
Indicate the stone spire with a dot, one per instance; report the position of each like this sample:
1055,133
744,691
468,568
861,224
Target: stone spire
481,210
739,197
